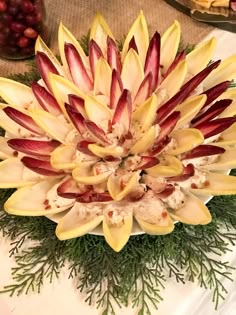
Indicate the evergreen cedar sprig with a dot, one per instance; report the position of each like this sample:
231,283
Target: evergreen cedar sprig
139,272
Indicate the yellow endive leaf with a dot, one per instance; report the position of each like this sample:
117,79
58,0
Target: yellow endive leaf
114,187
14,174
41,46
54,127
199,58
17,95
118,235
30,200
173,82
78,221
139,31
189,109
217,184
145,113
169,45
99,32
225,71
97,111
169,166
225,161
61,88
103,70
185,140
65,36
193,211
132,73
146,142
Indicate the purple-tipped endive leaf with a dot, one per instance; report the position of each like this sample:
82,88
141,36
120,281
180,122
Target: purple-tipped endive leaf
147,161
144,90
77,103
42,167
216,109
76,118
214,92
69,189
122,114
152,62
113,55
175,63
33,147
203,150
132,44
216,126
23,120
96,133
167,126
82,146
188,172
95,54
45,66
116,88
46,100
77,69
185,91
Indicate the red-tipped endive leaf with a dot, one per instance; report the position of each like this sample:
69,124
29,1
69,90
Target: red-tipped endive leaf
23,120
82,146
184,92
77,103
174,64
169,189
122,114
212,128
96,133
76,118
113,55
45,66
152,62
216,109
215,92
144,90
40,166
69,189
116,88
188,172
147,162
46,100
132,44
156,149
203,150
167,126
33,147
95,54
77,69
91,196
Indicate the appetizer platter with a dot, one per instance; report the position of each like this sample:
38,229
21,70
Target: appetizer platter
117,136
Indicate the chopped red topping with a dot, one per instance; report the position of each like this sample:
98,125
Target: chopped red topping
164,215
110,214
46,202
193,185
206,183
48,207
15,153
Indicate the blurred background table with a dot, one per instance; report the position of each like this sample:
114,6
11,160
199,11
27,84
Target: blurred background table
77,16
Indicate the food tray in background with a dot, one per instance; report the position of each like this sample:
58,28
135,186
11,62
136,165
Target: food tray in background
221,17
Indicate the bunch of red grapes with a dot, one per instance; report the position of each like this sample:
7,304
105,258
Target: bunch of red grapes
21,21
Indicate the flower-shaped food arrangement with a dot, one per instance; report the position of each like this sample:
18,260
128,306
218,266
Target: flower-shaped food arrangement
139,133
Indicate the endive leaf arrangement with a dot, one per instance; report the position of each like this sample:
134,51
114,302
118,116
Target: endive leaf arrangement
119,138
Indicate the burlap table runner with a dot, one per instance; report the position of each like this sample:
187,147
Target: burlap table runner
77,16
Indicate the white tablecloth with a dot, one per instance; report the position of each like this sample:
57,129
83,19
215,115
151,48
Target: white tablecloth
61,297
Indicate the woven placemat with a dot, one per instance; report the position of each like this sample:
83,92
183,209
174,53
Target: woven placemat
77,16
